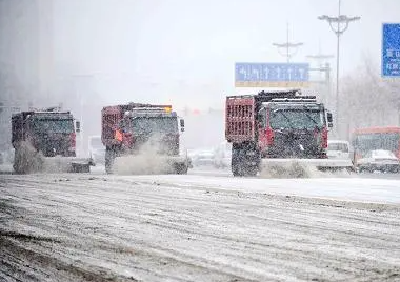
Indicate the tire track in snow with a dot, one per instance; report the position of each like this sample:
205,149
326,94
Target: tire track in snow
230,231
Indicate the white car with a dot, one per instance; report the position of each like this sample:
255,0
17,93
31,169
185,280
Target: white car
380,159
203,157
338,149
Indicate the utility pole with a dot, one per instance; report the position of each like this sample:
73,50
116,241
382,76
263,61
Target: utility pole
289,47
338,30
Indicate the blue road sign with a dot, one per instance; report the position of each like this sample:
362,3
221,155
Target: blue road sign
271,74
391,50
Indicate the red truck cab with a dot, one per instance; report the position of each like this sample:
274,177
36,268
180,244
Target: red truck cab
276,124
127,128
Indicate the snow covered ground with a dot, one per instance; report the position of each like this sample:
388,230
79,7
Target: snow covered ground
197,228
351,189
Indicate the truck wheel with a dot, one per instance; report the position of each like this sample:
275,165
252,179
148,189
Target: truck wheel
240,169
17,162
181,169
109,160
236,170
252,171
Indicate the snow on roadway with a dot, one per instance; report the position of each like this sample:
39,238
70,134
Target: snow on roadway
353,189
102,228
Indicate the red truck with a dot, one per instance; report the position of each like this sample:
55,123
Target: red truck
45,141
127,128
272,129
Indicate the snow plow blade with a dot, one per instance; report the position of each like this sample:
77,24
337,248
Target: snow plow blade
144,165
303,168
67,165
55,165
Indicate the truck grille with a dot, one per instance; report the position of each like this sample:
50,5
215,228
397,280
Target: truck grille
295,144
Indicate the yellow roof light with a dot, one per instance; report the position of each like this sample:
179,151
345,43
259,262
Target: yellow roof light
168,110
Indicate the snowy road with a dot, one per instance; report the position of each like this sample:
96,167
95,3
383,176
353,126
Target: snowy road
196,228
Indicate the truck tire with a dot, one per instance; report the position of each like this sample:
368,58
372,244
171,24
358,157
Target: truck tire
181,169
237,169
17,162
242,157
109,160
252,171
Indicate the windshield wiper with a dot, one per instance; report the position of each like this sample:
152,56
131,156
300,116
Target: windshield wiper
286,117
310,117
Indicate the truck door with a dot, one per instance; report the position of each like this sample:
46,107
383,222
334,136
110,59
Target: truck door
262,128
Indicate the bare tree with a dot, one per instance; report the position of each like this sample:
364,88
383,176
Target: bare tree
369,100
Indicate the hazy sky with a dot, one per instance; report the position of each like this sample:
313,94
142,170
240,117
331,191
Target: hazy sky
182,46
178,51
185,50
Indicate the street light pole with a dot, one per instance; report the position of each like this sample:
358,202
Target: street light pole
337,31
340,19
287,45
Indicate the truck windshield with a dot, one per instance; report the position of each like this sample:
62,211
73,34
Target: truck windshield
296,118
61,126
146,125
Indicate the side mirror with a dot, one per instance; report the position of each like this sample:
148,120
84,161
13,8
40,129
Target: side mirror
78,126
182,124
329,119
259,118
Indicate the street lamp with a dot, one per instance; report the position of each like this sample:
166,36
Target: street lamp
334,23
287,45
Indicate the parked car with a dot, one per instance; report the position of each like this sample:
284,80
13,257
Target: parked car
338,149
381,160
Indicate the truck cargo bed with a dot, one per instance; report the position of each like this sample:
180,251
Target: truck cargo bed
240,117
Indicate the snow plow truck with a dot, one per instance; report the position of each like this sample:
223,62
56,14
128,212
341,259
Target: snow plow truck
142,139
45,142
279,134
